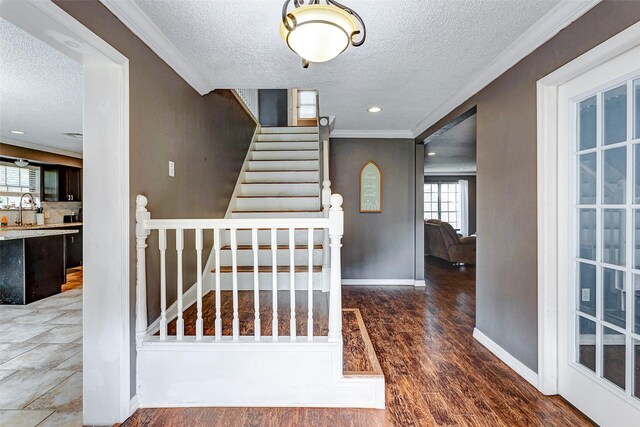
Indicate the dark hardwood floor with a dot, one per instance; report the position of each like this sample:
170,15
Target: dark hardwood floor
436,373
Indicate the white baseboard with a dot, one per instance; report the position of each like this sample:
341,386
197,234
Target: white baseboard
420,283
525,372
379,282
134,404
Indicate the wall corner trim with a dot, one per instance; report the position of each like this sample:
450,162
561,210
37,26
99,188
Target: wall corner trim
539,33
525,372
131,15
383,134
134,404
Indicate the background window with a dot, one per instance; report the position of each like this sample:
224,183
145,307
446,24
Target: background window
15,181
441,201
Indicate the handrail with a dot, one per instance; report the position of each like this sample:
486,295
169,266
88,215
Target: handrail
332,225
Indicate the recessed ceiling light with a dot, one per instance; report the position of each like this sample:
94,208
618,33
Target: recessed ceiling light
73,134
374,109
17,132
431,153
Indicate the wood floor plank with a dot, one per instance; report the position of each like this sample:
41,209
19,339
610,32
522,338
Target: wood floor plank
436,373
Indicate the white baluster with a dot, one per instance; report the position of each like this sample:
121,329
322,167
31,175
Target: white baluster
292,284
326,265
234,278
336,230
162,244
310,248
256,285
179,249
141,273
199,323
274,280
216,248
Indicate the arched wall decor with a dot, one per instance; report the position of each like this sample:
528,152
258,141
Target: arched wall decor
371,188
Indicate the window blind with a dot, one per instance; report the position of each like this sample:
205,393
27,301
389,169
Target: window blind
14,181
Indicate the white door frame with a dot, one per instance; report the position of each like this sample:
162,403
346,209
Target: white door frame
549,171
106,294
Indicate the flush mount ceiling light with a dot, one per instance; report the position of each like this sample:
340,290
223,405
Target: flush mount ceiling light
431,153
374,109
21,163
72,134
320,32
17,132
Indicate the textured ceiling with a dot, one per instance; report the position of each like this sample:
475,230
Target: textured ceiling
455,150
418,53
40,91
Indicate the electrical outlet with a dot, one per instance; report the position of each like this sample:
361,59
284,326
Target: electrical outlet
586,294
172,168
47,215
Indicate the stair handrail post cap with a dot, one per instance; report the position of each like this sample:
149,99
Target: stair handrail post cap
141,202
336,202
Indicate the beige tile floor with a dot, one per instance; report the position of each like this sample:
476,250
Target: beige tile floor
41,362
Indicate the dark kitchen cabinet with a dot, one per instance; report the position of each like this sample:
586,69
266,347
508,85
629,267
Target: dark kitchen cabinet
74,249
61,183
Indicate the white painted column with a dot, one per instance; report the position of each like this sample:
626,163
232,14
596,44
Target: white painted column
141,274
336,231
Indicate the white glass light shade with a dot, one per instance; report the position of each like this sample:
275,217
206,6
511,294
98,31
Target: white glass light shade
322,32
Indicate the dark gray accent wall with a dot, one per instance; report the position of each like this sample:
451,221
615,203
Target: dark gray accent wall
206,136
273,107
377,245
472,194
507,225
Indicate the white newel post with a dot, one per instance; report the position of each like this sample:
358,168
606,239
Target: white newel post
336,230
141,274
326,266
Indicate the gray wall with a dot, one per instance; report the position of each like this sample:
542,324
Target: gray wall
206,136
472,194
507,253
273,107
377,245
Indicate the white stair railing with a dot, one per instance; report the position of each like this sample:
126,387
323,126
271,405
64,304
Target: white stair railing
332,224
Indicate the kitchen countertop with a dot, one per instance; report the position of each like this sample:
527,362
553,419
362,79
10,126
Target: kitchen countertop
42,227
26,234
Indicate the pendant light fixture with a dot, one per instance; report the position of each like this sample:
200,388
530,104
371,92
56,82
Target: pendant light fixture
21,163
320,32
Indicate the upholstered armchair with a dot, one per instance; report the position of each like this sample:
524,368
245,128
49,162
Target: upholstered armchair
442,241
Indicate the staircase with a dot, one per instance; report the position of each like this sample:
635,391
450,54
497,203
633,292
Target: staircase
280,179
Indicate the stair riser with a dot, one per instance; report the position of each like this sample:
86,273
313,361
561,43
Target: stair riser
264,237
302,176
280,189
245,257
245,281
256,215
285,154
283,165
278,204
290,129
288,137
286,146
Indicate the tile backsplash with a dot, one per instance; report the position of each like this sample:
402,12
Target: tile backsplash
54,210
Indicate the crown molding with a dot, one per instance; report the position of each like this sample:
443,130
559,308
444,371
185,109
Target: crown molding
558,18
45,148
385,134
139,23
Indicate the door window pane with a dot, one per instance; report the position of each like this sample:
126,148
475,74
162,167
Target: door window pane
636,91
587,123
636,368
613,236
587,343
614,295
615,115
636,240
587,234
587,186
613,356
636,173
615,176
587,288
636,303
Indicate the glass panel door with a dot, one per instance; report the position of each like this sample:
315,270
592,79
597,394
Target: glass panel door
607,240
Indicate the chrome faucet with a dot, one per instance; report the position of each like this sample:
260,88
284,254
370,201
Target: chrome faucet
19,221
